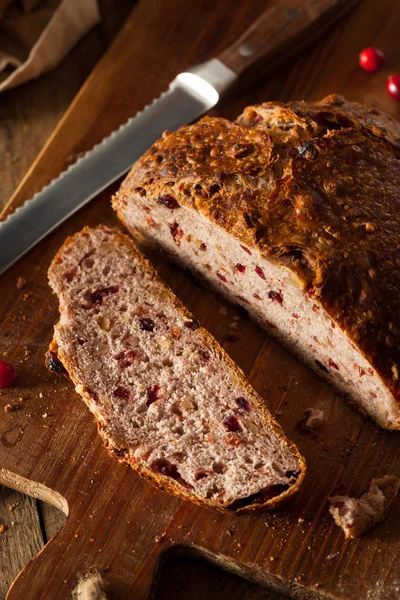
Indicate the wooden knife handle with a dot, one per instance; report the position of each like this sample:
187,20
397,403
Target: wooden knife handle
279,33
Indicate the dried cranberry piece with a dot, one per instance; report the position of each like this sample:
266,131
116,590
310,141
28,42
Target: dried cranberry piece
222,278
246,249
193,324
97,296
240,268
120,355
260,272
332,364
152,394
168,201
203,247
122,393
176,233
232,424
275,297
267,493
321,366
53,363
257,119
243,403
146,324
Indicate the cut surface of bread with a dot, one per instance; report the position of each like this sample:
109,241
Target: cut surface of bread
167,398
357,515
293,213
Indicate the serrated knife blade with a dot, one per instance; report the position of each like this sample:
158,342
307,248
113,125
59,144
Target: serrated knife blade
189,96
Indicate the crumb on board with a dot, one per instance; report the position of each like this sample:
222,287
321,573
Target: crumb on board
21,282
356,515
158,538
8,408
2,529
312,419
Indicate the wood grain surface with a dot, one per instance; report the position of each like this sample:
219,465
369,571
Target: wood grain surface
117,523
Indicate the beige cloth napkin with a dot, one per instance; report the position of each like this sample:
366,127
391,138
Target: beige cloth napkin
35,35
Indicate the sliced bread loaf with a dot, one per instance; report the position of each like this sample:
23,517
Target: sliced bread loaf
292,212
167,398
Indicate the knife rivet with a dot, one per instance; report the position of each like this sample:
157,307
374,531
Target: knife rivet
247,50
293,13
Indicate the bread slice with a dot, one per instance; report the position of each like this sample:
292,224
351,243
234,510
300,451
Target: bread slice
167,398
357,515
292,212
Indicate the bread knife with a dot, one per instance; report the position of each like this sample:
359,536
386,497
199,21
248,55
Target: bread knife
278,34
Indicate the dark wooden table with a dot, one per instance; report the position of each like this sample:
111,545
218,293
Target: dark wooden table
28,115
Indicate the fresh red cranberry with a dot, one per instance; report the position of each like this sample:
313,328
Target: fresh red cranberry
232,424
393,87
240,268
243,403
97,296
146,324
7,374
152,394
371,59
260,272
275,296
168,201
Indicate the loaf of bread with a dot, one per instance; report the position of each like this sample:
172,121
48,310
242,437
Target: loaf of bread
167,398
292,211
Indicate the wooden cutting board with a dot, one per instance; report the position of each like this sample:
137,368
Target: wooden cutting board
49,447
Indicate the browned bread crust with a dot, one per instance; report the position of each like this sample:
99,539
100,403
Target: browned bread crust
121,454
316,188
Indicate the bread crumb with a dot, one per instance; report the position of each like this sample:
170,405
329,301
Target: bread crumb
357,515
312,419
9,408
41,395
158,538
271,558
11,507
21,282
2,529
